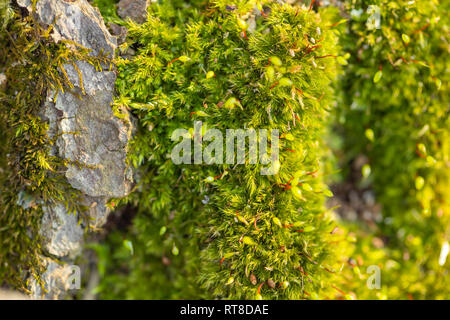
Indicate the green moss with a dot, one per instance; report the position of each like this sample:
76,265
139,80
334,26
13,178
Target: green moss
223,231
224,237
107,9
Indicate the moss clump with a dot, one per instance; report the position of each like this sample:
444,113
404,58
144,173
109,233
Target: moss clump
223,230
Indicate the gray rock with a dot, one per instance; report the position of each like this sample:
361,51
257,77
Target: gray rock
118,31
58,279
63,235
88,135
136,10
74,20
97,211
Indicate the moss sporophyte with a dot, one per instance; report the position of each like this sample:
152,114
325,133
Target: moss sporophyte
247,85
256,64
213,153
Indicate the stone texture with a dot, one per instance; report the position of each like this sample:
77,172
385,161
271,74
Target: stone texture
56,281
118,31
136,10
74,20
88,135
63,235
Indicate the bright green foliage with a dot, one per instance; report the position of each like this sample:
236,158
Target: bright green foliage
226,231
29,175
395,110
107,9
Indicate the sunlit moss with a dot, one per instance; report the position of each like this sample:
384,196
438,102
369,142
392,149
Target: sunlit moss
222,230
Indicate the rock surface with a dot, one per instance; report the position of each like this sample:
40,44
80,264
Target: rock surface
74,20
63,236
136,10
88,136
57,280
120,32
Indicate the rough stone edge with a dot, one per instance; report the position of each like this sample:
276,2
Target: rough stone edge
57,272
